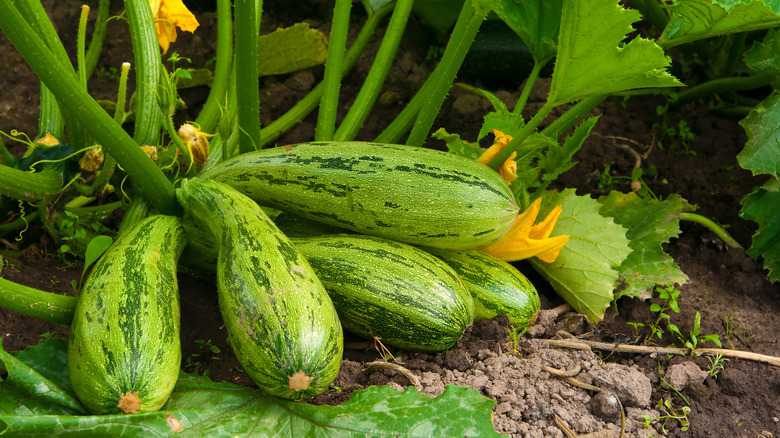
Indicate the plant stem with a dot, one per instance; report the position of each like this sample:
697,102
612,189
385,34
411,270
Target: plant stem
87,111
525,131
98,35
28,301
572,116
147,72
529,85
211,111
29,186
247,79
462,36
712,226
329,104
20,222
306,105
404,120
81,44
376,76
723,85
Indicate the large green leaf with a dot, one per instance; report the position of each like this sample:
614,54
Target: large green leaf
593,58
36,400
585,272
693,20
291,49
536,22
649,224
763,207
762,150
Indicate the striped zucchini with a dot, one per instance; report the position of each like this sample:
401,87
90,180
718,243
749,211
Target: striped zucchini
281,323
404,193
399,293
497,287
124,351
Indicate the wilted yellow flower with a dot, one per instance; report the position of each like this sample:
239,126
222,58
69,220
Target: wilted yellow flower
508,169
92,159
150,151
48,140
527,240
168,14
196,142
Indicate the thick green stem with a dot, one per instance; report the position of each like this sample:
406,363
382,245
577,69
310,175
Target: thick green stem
87,111
405,119
723,85
20,222
376,76
212,110
712,226
50,119
247,79
28,301
29,186
98,35
462,36
329,104
306,105
148,62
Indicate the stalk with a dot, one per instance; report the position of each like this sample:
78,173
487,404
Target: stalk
247,78
28,301
518,139
146,51
722,85
326,119
49,116
712,226
209,115
87,111
98,35
20,222
471,16
306,105
81,44
572,116
404,120
529,85
376,76
29,186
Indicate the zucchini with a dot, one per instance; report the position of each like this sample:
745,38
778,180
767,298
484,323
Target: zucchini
409,194
396,292
281,323
497,287
124,351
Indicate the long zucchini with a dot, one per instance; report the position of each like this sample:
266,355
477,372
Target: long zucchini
124,351
409,194
281,322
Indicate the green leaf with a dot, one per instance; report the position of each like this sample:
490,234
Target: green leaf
762,126
457,145
584,274
762,206
441,15
95,248
291,49
34,403
649,224
536,22
558,159
693,20
593,58
765,55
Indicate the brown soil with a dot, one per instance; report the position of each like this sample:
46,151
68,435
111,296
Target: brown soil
728,288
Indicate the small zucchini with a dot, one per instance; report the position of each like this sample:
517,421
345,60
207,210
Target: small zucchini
124,351
497,287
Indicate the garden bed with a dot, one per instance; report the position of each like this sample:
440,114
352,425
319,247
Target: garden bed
727,288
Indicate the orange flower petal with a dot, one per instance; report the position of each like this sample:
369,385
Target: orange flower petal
168,14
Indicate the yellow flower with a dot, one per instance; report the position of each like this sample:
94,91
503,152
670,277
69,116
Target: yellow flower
508,169
197,143
168,14
48,140
526,240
